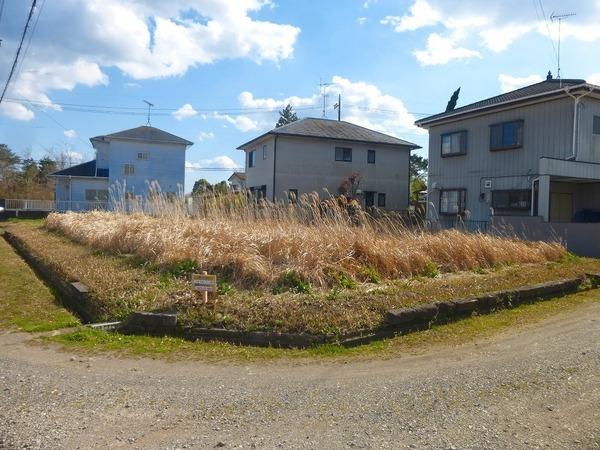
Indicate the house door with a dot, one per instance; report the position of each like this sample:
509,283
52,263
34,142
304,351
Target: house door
561,207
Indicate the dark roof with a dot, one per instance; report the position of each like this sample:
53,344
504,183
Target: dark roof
333,129
538,89
87,169
240,175
144,133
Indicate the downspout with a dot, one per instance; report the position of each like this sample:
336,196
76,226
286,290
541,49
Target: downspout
535,180
70,194
576,121
274,165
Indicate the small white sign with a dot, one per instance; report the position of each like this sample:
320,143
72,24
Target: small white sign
204,283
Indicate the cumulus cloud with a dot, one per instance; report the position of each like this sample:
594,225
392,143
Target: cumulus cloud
361,20
420,15
594,78
241,122
218,162
509,83
185,112
144,39
493,26
70,133
247,100
204,136
441,50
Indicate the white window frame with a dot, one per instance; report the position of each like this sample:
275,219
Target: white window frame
128,169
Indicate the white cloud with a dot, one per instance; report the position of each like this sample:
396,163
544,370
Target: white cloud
441,50
421,15
142,38
204,136
594,78
509,83
70,133
242,123
220,162
247,100
369,3
185,112
361,20
499,39
73,157
16,111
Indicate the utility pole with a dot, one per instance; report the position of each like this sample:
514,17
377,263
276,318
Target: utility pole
554,18
338,106
150,105
323,88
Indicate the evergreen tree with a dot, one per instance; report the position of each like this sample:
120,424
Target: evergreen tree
286,115
453,100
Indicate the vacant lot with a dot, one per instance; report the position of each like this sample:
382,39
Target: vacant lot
125,262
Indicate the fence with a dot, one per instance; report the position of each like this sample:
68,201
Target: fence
51,205
456,222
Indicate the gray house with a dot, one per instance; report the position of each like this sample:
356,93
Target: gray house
530,154
313,155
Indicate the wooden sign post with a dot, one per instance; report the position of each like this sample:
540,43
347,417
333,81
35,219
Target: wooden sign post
204,283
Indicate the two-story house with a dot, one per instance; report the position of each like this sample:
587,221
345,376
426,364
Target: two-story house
127,161
534,151
317,155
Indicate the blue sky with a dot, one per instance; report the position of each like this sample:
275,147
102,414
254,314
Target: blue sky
218,71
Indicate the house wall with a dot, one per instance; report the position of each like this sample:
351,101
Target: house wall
262,173
589,143
165,164
309,165
548,130
101,155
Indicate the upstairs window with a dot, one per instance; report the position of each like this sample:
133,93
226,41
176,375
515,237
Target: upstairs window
506,136
143,155
128,170
381,200
96,195
370,156
252,158
264,152
343,154
454,144
596,124
452,201
507,201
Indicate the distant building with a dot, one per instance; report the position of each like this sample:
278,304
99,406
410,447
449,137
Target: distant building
237,181
130,159
533,152
313,155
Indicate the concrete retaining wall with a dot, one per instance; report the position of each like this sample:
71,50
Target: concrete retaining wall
76,297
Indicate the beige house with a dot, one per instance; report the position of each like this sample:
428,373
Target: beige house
317,155
237,181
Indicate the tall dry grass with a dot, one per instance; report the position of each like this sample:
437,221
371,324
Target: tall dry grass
255,244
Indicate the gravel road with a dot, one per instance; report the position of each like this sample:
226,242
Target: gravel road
535,388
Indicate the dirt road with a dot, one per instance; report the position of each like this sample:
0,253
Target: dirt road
535,388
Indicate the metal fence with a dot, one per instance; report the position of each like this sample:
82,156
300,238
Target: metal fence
51,205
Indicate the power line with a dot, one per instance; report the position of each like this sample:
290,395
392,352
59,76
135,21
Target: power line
12,70
548,27
20,67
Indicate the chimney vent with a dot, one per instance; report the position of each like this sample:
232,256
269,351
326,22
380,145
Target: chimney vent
549,76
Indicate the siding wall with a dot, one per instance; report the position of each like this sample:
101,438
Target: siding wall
309,165
548,129
589,143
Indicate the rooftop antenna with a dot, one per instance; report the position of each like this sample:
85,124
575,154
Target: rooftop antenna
338,106
323,87
559,17
150,105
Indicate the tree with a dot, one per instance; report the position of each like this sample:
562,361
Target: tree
418,166
221,187
452,102
46,166
201,186
9,161
286,115
349,185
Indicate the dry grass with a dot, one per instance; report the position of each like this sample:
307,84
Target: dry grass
257,245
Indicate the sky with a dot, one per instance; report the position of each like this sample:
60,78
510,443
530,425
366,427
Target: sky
218,71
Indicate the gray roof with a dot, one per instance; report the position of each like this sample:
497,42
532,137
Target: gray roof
86,169
335,130
144,133
546,87
240,175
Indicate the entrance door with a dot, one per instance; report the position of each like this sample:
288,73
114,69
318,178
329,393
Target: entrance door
561,207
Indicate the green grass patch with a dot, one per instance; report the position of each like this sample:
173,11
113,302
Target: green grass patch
26,303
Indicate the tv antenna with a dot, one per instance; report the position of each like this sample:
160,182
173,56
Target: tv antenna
323,88
150,105
559,17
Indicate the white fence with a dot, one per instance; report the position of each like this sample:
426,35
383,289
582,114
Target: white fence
51,205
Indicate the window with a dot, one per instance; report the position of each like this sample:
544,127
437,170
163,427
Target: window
369,199
507,201
264,152
507,135
596,124
371,157
292,195
343,154
454,144
143,155
452,201
381,200
128,169
252,158
96,195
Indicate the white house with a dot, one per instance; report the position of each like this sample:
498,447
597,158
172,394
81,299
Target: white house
237,181
130,159
313,155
